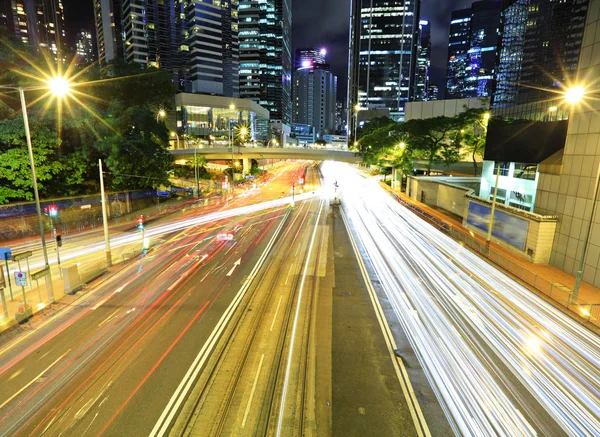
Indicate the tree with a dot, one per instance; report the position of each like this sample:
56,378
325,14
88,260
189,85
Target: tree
373,125
427,137
15,171
473,132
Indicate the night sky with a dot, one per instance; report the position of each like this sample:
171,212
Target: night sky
322,23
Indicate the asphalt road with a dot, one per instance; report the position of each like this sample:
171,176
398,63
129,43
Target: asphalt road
109,364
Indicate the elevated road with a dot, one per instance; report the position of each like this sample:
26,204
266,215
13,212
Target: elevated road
269,153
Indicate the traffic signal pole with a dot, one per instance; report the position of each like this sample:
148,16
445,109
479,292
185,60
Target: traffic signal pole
105,218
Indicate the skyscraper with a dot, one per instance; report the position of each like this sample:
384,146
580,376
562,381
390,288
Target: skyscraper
353,64
40,23
314,97
472,50
541,43
210,48
388,53
109,35
265,37
84,48
424,89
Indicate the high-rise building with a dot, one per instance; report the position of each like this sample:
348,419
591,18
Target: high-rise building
109,35
458,53
40,23
210,48
424,89
353,65
265,37
541,44
84,48
388,53
304,58
314,98
473,49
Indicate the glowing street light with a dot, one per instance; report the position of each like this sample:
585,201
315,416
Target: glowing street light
161,113
243,132
402,145
575,94
486,116
59,86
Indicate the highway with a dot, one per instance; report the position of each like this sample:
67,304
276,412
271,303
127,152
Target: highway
257,335
130,338
500,360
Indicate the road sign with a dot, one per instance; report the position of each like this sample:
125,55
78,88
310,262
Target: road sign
22,255
37,275
5,254
88,206
20,279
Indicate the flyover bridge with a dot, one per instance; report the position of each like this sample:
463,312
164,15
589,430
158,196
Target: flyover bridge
258,153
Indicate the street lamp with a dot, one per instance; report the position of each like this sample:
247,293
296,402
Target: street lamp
161,113
575,94
174,135
59,87
356,109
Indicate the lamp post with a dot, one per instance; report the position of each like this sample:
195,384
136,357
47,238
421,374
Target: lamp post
174,135
356,109
59,86
161,113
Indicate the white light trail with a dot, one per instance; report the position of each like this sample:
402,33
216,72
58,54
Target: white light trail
501,360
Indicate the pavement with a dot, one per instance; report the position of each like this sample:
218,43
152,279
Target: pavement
587,293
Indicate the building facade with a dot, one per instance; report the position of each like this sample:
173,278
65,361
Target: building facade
315,93
389,36
84,48
541,44
211,49
39,23
474,42
566,188
424,89
265,56
109,35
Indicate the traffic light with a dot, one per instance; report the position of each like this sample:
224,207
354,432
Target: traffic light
140,222
59,240
52,210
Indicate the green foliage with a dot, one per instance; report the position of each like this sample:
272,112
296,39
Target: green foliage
15,171
438,139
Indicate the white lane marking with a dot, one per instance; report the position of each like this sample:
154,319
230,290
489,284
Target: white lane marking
252,391
401,373
181,278
290,272
103,301
33,380
235,264
276,311
163,422
288,368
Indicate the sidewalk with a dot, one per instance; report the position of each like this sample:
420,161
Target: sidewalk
548,280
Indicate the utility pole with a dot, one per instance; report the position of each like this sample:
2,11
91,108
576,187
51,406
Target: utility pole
491,222
104,218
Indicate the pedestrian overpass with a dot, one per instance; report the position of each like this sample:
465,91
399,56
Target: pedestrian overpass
262,153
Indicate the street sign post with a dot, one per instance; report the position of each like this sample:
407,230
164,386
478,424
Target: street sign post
21,281
17,257
2,286
6,255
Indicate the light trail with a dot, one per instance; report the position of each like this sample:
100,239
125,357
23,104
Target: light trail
134,237
501,360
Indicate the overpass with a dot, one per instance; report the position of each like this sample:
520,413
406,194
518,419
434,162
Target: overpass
245,153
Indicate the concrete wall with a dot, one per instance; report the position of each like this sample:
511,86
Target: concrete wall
444,193
569,194
438,108
540,234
